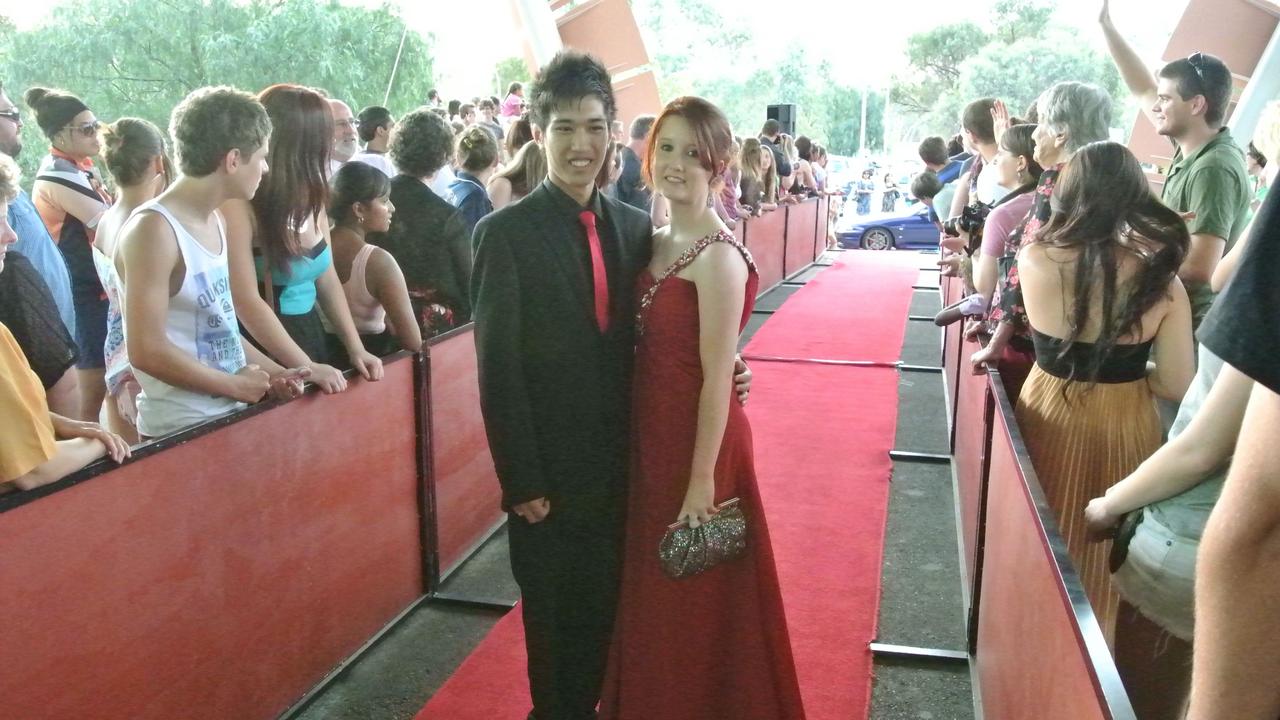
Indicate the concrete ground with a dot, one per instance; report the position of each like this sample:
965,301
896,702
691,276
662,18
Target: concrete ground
921,600
921,603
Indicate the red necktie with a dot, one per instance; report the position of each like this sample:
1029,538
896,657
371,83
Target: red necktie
600,279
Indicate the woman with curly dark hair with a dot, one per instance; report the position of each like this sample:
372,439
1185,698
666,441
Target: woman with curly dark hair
1111,324
281,265
428,238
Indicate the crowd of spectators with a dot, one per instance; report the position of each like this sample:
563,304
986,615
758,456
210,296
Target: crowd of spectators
1086,289
296,241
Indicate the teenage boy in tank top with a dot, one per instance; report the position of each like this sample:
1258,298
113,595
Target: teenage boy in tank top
180,328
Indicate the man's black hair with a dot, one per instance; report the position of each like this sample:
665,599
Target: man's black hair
1203,74
570,76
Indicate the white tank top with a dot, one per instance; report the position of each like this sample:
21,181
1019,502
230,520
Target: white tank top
201,322
989,188
367,313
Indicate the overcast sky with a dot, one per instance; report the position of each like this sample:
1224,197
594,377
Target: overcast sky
862,39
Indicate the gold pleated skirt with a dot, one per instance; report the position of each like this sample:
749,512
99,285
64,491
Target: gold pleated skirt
1080,445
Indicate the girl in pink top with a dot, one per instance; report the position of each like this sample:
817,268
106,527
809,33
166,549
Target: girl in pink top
514,104
374,285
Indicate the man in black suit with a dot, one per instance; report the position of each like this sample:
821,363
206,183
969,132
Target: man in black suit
552,291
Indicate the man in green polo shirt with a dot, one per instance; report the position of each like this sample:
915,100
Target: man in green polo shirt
1187,102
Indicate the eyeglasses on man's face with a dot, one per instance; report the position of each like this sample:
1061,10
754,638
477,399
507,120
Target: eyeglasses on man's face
14,116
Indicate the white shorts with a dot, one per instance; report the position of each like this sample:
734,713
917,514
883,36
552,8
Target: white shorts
1158,577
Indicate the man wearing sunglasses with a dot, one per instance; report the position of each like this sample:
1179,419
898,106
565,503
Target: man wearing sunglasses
1187,101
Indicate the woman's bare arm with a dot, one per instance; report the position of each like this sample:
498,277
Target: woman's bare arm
720,274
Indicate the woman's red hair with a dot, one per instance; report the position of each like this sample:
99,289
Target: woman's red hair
710,128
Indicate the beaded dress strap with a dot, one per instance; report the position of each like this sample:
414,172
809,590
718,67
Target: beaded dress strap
683,262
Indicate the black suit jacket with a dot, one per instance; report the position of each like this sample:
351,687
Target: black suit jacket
554,390
430,242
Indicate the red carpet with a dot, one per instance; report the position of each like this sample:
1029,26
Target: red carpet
822,436
849,311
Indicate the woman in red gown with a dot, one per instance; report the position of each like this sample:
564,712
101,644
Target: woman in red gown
713,646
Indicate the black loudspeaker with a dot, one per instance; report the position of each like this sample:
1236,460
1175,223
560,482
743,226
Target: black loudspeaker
785,115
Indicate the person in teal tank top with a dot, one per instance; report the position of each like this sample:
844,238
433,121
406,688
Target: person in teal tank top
282,273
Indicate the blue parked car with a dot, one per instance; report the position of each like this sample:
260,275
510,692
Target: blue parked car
911,230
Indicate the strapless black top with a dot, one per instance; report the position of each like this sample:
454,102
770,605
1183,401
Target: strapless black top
1125,363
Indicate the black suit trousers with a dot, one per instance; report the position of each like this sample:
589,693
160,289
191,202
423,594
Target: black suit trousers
568,568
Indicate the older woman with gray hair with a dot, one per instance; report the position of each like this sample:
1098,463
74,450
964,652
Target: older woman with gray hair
1071,115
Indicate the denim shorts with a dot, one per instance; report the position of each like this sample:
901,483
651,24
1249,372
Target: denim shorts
91,331
1158,577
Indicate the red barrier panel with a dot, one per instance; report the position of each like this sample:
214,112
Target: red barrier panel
972,439
467,498
951,360
222,576
766,240
801,223
821,225
1040,652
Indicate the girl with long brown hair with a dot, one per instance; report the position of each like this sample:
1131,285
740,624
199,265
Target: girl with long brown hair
282,272
759,177
1111,325
526,171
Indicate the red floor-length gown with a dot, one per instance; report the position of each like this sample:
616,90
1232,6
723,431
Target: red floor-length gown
713,646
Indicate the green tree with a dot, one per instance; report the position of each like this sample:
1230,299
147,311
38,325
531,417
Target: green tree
1018,73
140,57
953,65
1020,19
934,58
507,71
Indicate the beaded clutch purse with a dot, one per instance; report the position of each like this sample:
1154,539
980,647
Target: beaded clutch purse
686,551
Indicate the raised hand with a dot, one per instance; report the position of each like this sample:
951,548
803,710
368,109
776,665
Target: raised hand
1000,119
